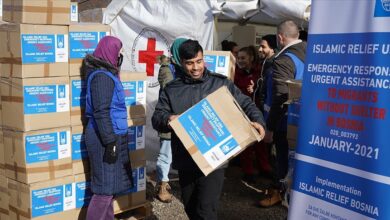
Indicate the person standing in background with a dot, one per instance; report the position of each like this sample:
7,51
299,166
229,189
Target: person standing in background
166,73
106,131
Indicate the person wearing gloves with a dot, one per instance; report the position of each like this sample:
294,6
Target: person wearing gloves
106,130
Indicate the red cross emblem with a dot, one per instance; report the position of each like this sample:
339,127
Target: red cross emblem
149,55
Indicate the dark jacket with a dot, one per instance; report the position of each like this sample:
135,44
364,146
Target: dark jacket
261,85
184,92
165,75
283,69
106,179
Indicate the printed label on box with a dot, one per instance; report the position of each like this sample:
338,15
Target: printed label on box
78,93
46,99
217,64
45,147
52,200
79,150
44,48
135,92
82,43
136,138
74,12
209,133
83,194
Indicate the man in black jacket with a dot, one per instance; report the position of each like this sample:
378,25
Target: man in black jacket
200,194
284,68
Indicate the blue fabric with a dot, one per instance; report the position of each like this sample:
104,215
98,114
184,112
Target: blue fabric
118,112
294,108
164,160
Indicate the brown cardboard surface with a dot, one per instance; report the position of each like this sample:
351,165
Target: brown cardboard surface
19,169
20,203
2,159
79,166
129,201
229,58
92,15
76,112
11,57
235,121
136,111
294,90
37,11
4,198
13,106
75,64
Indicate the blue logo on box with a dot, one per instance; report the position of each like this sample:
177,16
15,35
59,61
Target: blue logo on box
139,131
79,92
38,48
221,61
73,8
60,41
79,150
382,8
47,201
140,86
43,147
210,62
141,174
130,93
41,99
68,190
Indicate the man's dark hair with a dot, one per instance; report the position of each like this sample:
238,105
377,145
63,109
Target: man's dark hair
271,40
189,49
228,45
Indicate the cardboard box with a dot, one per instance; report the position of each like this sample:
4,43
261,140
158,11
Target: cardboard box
92,15
4,198
47,200
134,85
84,194
36,156
83,39
37,11
294,96
78,98
222,62
2,159
35,103
33,50
294,90
215,130
80,161
136,145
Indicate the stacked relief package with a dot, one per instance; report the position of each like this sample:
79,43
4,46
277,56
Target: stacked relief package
36,105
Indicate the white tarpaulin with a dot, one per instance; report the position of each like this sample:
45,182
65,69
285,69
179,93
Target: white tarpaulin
147,30
286,9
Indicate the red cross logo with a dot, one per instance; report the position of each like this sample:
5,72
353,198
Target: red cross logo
149,55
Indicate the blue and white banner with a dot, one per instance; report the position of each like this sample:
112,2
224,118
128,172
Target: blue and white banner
341,169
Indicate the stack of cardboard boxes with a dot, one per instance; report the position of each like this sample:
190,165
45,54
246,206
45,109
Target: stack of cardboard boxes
43,160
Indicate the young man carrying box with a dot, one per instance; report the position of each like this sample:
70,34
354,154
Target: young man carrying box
200,194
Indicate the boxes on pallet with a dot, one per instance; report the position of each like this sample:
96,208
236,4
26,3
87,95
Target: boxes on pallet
54,199
37,11
222,62
136,145
33,50
215,130
83,39
36,156
2,159
35,103
4,198
134,85
135,196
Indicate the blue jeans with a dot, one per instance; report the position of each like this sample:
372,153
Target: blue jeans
164,160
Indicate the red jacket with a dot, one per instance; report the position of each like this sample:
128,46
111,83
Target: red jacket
242,78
